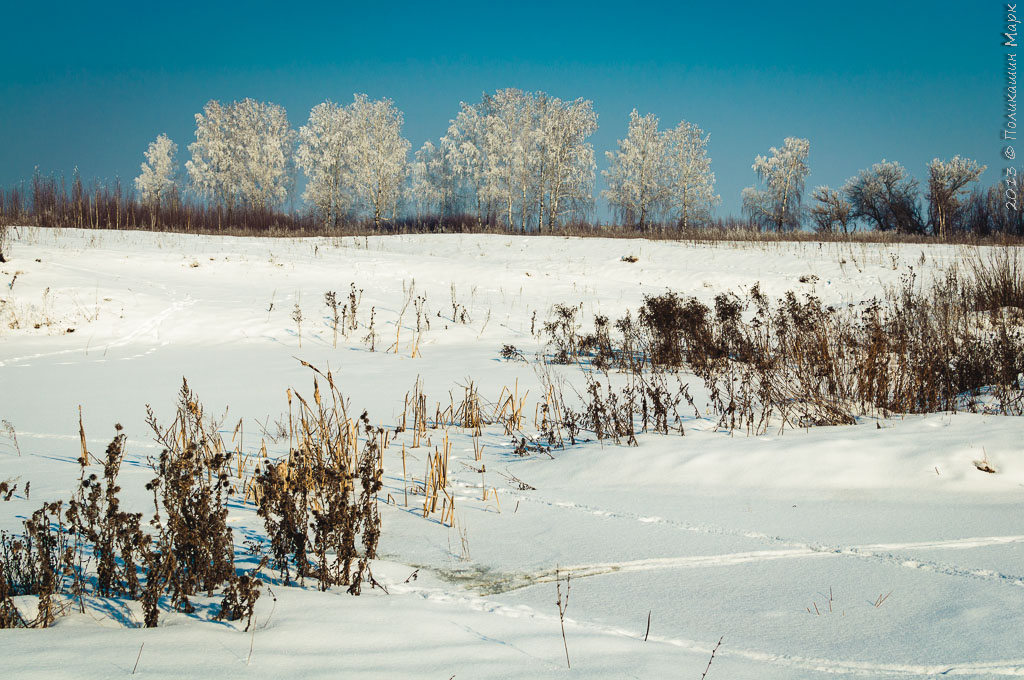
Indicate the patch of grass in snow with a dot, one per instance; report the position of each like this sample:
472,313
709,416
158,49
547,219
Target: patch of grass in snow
319,506
956,344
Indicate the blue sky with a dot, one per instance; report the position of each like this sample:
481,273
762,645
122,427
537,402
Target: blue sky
91,86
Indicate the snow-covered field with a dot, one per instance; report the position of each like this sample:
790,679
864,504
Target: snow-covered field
873,550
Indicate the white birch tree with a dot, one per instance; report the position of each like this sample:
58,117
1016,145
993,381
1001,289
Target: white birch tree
157,184
947,183
434,189
242,154
690,182
567,158
521,158
636,176
380,156
424,192
783,172
509,147
355,159
465,144
325,158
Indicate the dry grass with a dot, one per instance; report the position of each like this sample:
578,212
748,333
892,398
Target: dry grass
954,344
319,505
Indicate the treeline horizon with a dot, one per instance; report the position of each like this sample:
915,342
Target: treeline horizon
515,162
50,201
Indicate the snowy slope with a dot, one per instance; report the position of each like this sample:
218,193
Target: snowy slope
781,544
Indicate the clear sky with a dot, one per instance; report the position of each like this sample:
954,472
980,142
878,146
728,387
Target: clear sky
91,84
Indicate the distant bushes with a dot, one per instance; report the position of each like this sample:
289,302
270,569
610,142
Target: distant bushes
50,202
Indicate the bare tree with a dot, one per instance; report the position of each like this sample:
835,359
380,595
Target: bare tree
887,197
831,211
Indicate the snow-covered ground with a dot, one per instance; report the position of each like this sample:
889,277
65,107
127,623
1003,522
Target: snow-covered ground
781,545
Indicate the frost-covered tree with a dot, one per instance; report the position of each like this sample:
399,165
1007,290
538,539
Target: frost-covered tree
380,156
637,171
539,166
157,185
690,183
433,189
511,153
324,156
355,159
423,190
947,184
783,172
831,211
242,154
887,197
465,145
521,158
566,163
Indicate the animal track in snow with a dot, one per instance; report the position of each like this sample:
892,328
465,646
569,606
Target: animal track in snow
876,552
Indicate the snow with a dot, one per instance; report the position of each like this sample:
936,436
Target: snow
781,544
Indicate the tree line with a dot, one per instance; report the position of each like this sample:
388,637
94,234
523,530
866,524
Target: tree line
514,161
